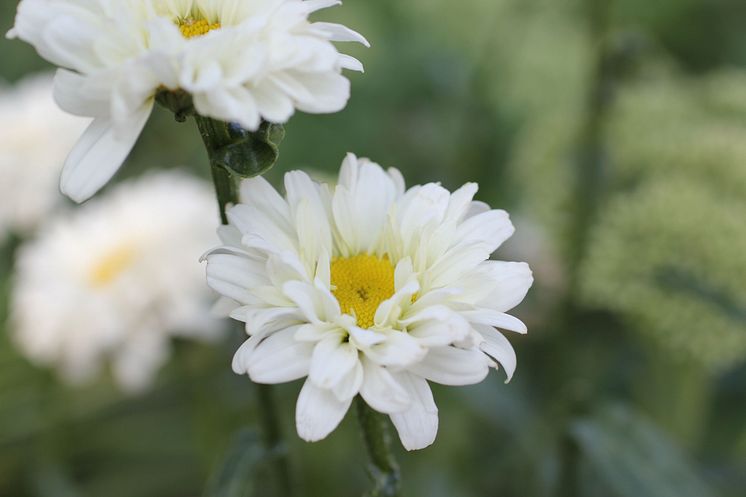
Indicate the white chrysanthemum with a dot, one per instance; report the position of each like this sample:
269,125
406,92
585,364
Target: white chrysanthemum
116,279
240,61
35,137
368,289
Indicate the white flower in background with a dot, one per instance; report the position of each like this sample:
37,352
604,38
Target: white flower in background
116,279
240,60
35,137
368,289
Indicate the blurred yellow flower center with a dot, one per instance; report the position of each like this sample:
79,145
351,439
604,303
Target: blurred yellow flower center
191,27
111,265
360,284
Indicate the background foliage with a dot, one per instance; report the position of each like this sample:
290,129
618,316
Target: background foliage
614,132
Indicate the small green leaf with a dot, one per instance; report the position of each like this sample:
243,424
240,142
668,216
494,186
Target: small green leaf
242,153
633,458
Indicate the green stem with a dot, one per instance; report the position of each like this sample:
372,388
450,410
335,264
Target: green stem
383,470
590,183
591,171
231,151
273,441
216,136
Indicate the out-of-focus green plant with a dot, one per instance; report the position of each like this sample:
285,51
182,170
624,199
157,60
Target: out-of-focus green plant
671,256
669,251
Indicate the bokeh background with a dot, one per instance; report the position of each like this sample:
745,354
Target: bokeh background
614,131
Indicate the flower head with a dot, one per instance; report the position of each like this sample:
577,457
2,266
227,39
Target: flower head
368,289
240,61
115,280
35,138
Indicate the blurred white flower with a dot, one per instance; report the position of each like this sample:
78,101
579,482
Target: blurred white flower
35,137
116,279
368,289
240,61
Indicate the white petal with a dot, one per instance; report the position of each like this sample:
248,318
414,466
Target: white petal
365,337
422,205
497,346
98,154
381,391
280,358
361,204
309,213
259,192
450,328
460,201
418,425
233,276
338,32
273,104
512,282
77,95
399,350
314,5
332,360
350,63
497,319
318,412
490,229
316,305
349,385
452,366
316,332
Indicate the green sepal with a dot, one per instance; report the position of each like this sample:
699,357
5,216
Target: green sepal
244,153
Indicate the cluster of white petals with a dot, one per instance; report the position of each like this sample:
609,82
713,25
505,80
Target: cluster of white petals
114,280
35,137
368,288
241,61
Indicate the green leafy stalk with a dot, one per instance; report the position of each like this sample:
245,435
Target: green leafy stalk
235,153
383,470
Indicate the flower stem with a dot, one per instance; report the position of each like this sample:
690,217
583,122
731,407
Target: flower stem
215,136
590,185
383,470
273,441
235,153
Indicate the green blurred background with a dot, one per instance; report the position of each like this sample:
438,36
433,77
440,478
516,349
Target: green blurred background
615,134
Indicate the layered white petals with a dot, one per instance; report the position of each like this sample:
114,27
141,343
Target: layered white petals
426,307
361,204
258,61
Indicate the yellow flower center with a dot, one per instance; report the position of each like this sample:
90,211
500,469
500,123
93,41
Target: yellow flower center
111,265
360,284
192,27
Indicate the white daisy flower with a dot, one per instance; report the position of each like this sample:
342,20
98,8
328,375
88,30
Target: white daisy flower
241,61
35,136
115,280
368,289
